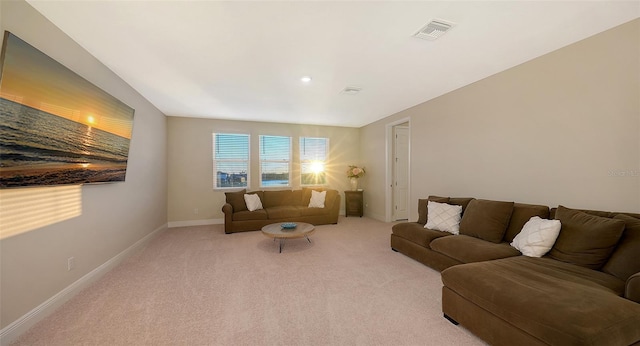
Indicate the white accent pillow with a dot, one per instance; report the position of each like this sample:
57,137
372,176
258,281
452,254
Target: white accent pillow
253,201
317,199
443,217
537,236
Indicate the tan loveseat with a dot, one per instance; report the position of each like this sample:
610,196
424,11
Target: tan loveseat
278,206
584,291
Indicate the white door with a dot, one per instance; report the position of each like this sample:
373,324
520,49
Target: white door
400,162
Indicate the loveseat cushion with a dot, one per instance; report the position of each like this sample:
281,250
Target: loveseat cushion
277,198
246,215
521,214
283,212
625,260
416,233
585,240
559,303
468,249
422,207
236,199
486,219
305,211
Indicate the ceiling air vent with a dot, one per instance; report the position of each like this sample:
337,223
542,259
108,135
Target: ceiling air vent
434,29
351,90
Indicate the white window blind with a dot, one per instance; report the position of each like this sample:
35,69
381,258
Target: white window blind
275,161
230,160
313,158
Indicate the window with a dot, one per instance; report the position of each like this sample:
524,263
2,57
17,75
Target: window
230,160
275,162
313,157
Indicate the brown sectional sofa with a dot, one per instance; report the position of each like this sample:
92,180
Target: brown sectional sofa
279,206
584,291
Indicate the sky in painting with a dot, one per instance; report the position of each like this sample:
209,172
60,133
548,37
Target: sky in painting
32,78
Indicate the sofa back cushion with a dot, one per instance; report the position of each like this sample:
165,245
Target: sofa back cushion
625,259
521,214
278,198
552,213
422,206
461,201
330,199
585,240
296,197
236,199
487,220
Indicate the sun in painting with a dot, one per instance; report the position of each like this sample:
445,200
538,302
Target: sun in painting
91,120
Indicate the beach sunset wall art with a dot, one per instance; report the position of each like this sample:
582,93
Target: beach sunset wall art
56,127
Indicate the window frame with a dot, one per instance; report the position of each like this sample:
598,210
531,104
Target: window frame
307,161
274,161
216,161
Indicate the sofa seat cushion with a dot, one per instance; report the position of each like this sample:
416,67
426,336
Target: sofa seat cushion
468,249
283,212
416,233
260,214
557,302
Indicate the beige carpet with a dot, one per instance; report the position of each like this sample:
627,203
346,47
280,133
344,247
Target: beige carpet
199,286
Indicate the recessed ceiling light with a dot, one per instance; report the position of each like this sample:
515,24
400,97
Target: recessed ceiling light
306,79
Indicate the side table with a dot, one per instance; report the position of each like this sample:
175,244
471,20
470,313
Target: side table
353,203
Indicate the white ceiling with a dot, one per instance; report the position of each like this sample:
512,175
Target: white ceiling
244,60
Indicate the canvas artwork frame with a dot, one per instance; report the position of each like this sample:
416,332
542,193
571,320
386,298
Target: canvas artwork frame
57,128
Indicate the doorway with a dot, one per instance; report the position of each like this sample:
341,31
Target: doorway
400,170
398,143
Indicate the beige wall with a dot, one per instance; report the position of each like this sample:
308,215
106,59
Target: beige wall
560,129
113,216
191,162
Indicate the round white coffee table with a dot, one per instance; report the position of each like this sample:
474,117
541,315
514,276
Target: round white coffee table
276,231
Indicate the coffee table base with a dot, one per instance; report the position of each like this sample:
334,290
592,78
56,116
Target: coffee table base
283,239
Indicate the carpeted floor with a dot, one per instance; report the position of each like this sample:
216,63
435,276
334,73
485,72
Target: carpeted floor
199,286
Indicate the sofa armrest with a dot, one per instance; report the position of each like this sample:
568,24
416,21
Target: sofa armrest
227,209
632,288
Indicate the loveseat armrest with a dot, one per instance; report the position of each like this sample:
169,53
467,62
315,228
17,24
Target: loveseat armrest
227,209
632,288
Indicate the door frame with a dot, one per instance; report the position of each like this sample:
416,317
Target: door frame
389,167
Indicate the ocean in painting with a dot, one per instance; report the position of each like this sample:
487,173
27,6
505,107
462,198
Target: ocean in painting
39,148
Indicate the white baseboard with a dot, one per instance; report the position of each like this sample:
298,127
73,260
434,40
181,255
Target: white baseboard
11,332
196,223
375,216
